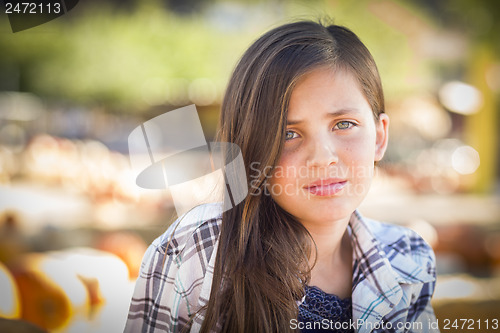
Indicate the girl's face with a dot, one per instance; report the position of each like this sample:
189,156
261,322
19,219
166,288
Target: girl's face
332,142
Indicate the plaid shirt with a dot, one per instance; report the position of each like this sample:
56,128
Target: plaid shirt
393,276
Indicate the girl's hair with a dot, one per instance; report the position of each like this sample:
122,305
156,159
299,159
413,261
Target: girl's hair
262,258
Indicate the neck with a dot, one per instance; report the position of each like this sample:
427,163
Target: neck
332,270
332,241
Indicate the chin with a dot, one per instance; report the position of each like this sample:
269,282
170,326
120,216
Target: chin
335,213
322,213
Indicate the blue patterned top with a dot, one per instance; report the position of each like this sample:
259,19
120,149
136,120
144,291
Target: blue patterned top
322,312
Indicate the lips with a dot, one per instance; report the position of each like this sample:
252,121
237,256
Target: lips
326,187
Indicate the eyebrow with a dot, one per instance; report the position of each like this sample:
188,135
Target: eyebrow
337,113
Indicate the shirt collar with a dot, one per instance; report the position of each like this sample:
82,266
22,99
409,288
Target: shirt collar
377,278
366,246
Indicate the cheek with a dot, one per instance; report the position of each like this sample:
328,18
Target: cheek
361,148
359,157
284,170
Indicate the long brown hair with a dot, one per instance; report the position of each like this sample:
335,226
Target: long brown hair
262,258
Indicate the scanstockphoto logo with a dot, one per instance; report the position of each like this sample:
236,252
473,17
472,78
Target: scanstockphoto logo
28,14
170,151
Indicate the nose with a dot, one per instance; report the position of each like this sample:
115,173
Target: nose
322,152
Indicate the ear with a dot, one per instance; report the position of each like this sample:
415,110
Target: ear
382,128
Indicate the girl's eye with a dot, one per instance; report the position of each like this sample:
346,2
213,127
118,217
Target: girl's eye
290,135
342,125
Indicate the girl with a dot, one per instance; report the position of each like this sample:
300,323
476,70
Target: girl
306,107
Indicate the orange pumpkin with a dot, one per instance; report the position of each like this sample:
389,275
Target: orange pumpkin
50,293
10,306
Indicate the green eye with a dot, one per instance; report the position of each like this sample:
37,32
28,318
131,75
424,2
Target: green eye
344,125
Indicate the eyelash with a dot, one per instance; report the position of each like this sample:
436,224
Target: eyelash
350,125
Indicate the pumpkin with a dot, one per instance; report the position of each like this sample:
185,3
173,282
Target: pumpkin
10,306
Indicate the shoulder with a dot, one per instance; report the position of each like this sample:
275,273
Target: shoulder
188,243
175,280
413,268
395,236
401,243
196,230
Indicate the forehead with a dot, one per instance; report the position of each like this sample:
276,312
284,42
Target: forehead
326,90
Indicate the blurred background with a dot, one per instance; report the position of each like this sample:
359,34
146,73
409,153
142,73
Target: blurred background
73,224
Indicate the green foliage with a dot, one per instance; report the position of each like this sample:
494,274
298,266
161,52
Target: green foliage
123,59
106,56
